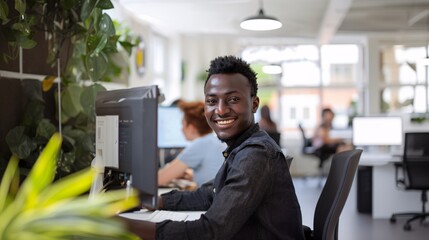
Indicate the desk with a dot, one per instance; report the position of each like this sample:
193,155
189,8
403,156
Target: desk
386,197
378,159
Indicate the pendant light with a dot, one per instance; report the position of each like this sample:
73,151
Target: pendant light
260,22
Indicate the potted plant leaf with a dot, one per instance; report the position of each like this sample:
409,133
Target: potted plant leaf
42,209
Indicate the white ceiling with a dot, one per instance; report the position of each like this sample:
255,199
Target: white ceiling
315,19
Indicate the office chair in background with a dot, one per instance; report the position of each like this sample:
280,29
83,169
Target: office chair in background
334,195
308,149
276,136
415,166
307,145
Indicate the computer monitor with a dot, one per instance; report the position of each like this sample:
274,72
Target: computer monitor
170,134
377,131
137,109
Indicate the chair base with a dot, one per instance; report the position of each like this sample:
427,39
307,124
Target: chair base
414,216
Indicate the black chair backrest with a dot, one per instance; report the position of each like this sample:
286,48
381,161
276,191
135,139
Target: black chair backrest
307,141
275,136
334,194
416,160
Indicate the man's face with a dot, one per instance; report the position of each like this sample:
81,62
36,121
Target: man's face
228,105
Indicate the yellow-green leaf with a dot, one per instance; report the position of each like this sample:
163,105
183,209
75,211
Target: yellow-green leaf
42,173
6,181
70,186
55,211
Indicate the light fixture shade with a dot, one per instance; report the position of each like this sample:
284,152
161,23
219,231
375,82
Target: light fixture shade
261,22
272,69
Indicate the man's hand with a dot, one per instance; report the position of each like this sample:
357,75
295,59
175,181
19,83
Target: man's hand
160,205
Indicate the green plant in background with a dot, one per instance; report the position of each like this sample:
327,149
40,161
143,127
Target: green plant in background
116,64
419,117
27,140
263,78
41,209
95,48
202,76
65,24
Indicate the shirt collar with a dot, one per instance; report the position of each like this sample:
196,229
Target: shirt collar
240,139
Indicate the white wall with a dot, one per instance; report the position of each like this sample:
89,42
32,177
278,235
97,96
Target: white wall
197,52
192,51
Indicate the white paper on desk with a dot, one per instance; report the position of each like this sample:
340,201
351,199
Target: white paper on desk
137,215
144,215
194,215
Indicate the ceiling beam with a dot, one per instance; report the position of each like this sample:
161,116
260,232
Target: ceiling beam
334,16
418,17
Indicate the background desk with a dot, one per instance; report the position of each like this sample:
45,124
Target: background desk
387,198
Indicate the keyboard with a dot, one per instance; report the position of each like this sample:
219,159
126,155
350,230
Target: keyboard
161,215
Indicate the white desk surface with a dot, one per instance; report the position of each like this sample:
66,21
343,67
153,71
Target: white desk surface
378,159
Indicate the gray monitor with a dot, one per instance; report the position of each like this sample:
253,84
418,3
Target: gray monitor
137,109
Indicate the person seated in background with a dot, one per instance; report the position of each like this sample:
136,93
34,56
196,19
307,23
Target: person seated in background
322,141
268,125
203,155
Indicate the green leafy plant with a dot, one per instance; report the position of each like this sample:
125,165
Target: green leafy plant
65,24
43,209
27,140
90,41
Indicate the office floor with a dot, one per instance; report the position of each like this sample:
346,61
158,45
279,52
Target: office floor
354,225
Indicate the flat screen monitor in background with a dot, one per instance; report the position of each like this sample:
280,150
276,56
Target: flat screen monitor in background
170,134
377,131
137,109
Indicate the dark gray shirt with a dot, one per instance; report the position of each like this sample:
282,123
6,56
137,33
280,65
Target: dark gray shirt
251,197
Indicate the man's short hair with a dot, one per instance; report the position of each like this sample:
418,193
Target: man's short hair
231,64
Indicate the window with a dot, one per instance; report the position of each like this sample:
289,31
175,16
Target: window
313,77
404,84
293,113
159,60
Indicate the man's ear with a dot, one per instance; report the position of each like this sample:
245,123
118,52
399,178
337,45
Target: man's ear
255,104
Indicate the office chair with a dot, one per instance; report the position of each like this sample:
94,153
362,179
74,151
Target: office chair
275,136
308,149
333,197
307,145
415,166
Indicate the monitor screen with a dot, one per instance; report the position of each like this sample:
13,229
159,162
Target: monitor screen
170,134
377,131
137,111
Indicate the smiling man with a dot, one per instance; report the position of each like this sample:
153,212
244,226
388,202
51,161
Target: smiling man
252,195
